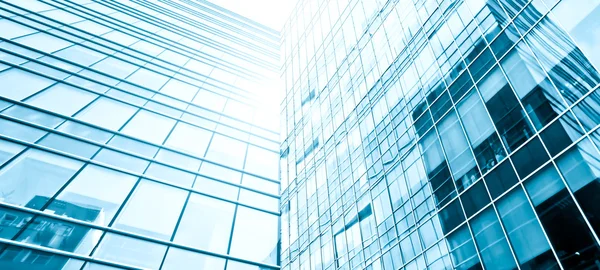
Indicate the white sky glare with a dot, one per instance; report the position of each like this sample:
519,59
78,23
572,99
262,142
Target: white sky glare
271,13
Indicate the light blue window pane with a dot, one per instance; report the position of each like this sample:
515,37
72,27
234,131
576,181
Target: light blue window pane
12,30
107,113
262,162
206,224
96,266
115,67
81,55
130,251
13,257
119,37
258,200
134,146
179,90
4,104
3,67
152,210
457,151
170,175
490,239
33,116
9,150
238,110
221,173
227,151
580,19
87,84
149,126
19,131
46,70
260,184
121,160
18,84
216,188
178,160
44,42
182,259
62,99
210,100
147,78
35,174
190,139
523,229
67,236
165,110
69,145
476,121
97,188
252,236
126,97
85,131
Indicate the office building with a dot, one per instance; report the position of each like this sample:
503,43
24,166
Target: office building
137,134
441,134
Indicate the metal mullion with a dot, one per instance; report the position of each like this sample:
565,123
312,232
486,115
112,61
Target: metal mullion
67,254
122,134
236,38
153,179
73,74
197,54
102,44
110,147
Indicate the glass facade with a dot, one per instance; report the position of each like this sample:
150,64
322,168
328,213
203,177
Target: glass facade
441,134
137,134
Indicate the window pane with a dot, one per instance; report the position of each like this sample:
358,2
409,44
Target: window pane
190,139
147,78
262,162
33,116
69,145
97,188
8,150
524,231
22,132
107,113
581,169
152,210
227,151
490,239
130,251
85,131
170,175
561,219
149,126
21,258
35,174
134,146
462,249
121,160
206,224
62,99
215,188
181,259
44,42
252,236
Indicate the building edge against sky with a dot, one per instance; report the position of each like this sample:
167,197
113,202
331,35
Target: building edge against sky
441,134
137,134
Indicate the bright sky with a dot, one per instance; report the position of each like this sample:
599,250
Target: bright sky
271,13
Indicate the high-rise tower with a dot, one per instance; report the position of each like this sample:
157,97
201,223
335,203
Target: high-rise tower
137,134
441,134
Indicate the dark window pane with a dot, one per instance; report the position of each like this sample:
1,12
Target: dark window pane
451,216
475,198
501,179
568,233
530,157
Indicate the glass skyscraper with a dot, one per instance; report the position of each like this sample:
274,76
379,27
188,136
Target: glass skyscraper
137,134
441,134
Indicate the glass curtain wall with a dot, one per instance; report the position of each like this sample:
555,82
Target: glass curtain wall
137,134
441,134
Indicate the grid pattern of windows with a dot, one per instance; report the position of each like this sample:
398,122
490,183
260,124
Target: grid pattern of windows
441,134
135,134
